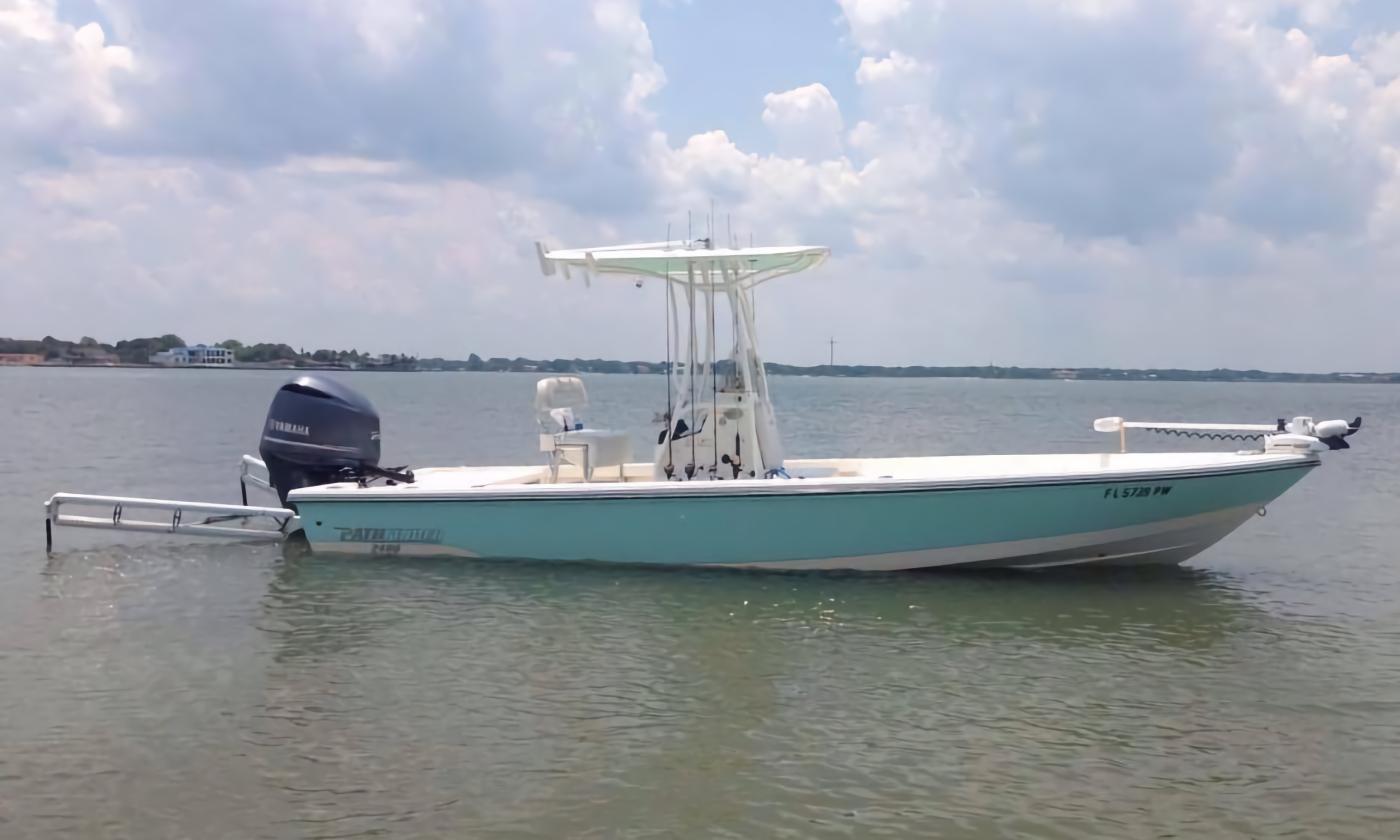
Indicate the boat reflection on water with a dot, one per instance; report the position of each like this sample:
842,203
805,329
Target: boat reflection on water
317,604
573,695
347,597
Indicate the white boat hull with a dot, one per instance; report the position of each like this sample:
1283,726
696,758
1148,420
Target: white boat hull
1165,543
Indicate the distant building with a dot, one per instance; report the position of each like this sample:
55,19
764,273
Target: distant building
21,359
200,355
174,357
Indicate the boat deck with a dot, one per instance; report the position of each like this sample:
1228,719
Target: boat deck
934,470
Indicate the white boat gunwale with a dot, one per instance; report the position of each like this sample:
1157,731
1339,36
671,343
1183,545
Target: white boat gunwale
744,488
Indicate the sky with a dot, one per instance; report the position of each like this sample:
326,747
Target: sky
1126,183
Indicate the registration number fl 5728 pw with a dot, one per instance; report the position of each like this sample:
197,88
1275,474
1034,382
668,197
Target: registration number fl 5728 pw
1142,491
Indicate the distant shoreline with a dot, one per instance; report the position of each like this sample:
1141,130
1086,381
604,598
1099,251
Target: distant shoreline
160,353
596,366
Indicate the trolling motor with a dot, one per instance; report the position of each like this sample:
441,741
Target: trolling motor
319,431
1331,432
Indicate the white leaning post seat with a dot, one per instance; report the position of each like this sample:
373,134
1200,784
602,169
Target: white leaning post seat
558,400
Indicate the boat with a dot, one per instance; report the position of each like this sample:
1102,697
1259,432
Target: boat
719,489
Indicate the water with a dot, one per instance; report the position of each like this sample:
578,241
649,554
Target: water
157,688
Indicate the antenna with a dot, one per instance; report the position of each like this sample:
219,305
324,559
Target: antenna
831,342
667,315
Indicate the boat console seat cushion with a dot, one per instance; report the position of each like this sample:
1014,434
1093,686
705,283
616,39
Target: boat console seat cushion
564,419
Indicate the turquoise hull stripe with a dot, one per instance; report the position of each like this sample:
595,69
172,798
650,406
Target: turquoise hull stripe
774,528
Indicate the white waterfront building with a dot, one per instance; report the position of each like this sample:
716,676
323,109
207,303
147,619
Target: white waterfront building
200,355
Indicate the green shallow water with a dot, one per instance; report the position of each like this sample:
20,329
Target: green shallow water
163,688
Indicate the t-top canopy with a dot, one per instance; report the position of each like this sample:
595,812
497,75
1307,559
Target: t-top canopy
679,261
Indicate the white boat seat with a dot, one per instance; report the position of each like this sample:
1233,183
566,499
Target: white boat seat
595,448
558,403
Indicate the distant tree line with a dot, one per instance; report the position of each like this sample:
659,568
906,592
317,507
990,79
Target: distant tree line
1092,374
128,351
139,351
263,352
500,364
521,364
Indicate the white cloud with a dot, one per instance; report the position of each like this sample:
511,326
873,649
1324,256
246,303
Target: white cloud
876,71
59,83
1130,119
370,166
1380,53
1079,180
865,14
472,89
806,121
340,165
427,266
389,30
622,20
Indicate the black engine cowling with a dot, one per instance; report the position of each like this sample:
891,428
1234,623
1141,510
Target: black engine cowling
317,432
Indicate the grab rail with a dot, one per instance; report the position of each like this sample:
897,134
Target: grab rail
246,476
1219,431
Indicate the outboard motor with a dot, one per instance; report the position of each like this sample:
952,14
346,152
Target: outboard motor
319,432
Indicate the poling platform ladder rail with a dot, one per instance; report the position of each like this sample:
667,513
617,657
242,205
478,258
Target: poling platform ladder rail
218,519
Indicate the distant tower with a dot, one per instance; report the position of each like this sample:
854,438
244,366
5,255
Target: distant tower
831,359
